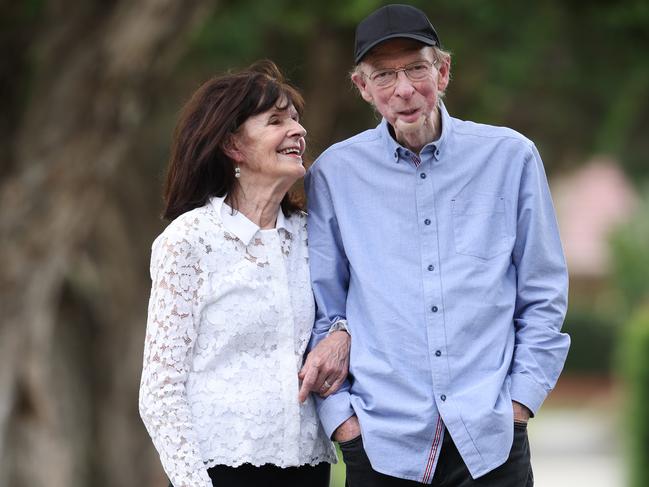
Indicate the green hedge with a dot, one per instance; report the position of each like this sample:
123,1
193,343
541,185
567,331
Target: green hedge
630,252
635,359
593,341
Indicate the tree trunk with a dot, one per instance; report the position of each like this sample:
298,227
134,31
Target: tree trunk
328,92
68,368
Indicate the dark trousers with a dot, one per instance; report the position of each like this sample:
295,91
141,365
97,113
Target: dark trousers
250,476
451,470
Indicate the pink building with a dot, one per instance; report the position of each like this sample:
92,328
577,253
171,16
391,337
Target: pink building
590,203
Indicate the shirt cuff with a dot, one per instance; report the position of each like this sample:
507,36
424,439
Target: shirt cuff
334,411
527,392
338,325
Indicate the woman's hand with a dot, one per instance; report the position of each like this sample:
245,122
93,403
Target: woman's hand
326,366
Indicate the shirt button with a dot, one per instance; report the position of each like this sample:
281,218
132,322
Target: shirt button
426,221
422,175
438,353
431,267
434,309
443,397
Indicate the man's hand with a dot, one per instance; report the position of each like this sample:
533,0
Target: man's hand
521,413
348,430
326,366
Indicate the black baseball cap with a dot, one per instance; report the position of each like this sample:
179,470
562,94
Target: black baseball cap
390,22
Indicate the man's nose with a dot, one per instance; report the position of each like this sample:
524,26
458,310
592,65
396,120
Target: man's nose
403,87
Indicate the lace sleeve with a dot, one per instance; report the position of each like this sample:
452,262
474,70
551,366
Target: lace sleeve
171,331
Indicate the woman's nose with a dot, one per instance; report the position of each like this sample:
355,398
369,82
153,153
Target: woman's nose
297,129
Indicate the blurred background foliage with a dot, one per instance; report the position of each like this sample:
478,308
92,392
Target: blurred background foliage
571,76
636,370
630,245
89,94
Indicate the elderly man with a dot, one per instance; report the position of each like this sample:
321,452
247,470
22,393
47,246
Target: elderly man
433,241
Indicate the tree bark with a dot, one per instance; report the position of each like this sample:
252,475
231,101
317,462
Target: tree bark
328,92
64,420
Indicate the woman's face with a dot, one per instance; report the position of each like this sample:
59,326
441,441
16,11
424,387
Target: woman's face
270,145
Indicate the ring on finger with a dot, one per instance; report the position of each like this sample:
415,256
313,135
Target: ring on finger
326,385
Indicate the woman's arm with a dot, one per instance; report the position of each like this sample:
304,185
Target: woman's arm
169,342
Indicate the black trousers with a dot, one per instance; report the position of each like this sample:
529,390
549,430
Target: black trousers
269,475
451,471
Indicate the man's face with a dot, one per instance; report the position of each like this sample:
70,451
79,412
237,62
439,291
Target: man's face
406,102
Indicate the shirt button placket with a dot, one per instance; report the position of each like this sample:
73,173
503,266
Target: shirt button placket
428,231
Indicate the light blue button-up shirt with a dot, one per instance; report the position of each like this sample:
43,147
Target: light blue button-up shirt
452,280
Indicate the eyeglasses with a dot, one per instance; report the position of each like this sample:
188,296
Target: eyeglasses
418,71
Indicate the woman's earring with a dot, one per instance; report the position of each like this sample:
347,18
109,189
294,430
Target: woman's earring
237,172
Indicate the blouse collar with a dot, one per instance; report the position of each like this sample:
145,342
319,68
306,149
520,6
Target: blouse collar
239,225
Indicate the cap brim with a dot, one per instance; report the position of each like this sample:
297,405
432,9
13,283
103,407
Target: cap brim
416,37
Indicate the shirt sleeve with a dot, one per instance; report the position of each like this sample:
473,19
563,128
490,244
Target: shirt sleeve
330,279
169,341
542,290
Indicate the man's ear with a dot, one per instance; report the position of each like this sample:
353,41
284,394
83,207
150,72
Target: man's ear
361,83
444,75
231,148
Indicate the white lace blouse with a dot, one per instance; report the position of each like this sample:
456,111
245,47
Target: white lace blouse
230,316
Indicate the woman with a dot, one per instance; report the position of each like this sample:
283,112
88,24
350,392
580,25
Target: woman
231,307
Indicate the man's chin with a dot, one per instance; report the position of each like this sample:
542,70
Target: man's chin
409,126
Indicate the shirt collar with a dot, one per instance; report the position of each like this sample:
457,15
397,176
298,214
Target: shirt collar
239,225
436,148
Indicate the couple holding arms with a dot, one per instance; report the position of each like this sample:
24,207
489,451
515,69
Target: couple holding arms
434,275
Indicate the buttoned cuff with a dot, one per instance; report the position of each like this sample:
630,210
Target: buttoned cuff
527,392
334,411
339,325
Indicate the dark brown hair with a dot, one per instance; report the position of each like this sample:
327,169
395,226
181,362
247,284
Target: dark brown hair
199,167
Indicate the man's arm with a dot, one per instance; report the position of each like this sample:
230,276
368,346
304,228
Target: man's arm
521,413
542,290
330,279
348,430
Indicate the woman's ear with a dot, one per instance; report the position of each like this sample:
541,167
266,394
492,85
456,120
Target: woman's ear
231,148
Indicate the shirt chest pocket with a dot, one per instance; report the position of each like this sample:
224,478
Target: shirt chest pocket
479,225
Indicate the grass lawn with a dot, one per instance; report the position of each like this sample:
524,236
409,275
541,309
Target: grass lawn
338,471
